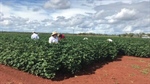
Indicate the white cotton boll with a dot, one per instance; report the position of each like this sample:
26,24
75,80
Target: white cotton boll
110,40
85,38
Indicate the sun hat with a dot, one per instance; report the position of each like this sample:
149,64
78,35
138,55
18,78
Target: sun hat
54,33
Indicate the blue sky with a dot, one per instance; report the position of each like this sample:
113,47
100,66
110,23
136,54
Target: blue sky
75,16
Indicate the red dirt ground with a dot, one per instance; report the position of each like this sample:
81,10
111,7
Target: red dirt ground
124,70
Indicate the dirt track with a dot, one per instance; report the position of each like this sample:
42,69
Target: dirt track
124,70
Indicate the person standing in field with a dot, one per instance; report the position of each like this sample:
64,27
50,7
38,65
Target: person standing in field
110,40
34,36
53,38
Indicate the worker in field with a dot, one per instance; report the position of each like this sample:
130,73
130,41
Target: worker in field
34,36
110,40
85,38
53,38
61,36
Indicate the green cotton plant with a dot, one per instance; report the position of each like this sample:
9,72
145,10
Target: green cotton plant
71,55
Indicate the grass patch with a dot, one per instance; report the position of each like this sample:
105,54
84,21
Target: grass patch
135,66
145,71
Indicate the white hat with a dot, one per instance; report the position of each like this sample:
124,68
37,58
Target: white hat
53,33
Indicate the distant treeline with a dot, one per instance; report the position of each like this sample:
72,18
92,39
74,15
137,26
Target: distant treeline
90,34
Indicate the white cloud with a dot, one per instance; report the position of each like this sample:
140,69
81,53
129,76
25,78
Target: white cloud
32,15
68,13
137,31
6,22
57,4
86,24
76,20
107,17
24,12
127,29
145,22
124,14
90,1
99,14
5,10
102,29
1,14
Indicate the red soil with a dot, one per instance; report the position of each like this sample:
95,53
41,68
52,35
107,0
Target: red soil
124,70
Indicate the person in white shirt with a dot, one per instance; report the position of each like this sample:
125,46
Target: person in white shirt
53,38
34,36
110,40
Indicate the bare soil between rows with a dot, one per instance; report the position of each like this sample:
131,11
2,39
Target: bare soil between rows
124,70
